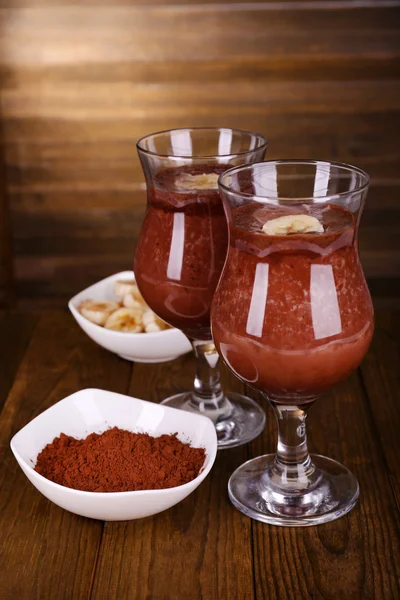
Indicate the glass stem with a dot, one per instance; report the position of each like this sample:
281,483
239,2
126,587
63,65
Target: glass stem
207,396
293,464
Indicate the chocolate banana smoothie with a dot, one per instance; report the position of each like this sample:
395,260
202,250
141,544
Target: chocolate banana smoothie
292,314
182,247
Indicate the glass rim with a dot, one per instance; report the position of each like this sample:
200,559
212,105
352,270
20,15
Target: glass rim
262,138
296,161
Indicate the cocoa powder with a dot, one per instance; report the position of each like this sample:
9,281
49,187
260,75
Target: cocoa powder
119,461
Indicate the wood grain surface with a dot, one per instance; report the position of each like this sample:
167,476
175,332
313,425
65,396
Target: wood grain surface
381,377
202,548
16,330
215,556
6,259
48,553
340,426
80,83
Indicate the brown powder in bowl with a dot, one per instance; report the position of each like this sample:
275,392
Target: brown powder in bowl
119,461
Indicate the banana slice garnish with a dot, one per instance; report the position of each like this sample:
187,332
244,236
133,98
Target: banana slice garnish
125,319
97,312
293,224
204,181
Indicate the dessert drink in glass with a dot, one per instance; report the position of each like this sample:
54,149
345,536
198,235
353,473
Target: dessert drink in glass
181,252
291,317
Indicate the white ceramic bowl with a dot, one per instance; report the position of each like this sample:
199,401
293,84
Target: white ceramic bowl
95,410
140,347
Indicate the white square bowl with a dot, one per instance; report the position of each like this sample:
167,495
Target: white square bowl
94,410
154,347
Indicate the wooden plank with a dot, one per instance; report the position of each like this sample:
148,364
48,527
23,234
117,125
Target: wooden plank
357,556
59,278
385,293
381,263
202,546
380,374
125,223
16,329
41,295
364,128
6,266
44,547
386,242
221,67
383,197
116,239
116,34
46,165
319,78
59,275
40,167
280,3
104,223
118,235
31,300
100,229
94,102
67,279
119,241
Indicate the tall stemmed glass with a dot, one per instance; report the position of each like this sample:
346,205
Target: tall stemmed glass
181,252
292,316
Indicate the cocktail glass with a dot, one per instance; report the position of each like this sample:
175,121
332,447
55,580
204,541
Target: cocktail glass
181,252
292,316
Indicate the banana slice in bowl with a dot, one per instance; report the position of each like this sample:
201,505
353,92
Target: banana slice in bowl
97,312
133,332
125,319
152,323
124,287
135,300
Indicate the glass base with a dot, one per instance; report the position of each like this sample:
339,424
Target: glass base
243,422
330,492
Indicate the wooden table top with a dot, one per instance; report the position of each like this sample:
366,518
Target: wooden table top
203,547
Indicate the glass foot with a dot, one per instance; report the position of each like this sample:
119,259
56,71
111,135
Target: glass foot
328,493
240,421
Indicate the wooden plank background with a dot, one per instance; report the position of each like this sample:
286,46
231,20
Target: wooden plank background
6,271
80,83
